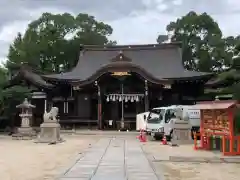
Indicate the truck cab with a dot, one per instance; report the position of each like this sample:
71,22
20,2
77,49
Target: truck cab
154,119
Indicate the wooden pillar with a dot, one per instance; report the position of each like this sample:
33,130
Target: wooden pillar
146,102
231,129
65,106
99,106
201,127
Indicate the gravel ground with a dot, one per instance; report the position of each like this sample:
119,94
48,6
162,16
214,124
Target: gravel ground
198,171
189,170
25,160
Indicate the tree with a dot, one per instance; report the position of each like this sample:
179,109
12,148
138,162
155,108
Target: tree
2,81
50,44
9,98
202,43
53,41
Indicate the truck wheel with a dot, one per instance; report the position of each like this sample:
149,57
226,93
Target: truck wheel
158,138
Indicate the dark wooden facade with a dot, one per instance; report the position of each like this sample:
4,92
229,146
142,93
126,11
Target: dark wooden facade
144,76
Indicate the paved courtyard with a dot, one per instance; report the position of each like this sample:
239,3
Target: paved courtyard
112,159
100,155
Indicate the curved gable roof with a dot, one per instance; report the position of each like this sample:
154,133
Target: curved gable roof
160,61
27,73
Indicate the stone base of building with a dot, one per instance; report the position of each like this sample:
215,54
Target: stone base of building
50,133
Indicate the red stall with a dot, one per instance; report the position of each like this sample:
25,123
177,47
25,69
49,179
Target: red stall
217,120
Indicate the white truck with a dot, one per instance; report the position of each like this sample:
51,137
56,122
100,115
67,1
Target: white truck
159,120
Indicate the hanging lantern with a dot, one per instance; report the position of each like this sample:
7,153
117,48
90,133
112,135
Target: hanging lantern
107,98
113,98
120,99
132,99
117,97
126,98
160,98
137,99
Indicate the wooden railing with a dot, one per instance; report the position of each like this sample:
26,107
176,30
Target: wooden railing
230,145
234,145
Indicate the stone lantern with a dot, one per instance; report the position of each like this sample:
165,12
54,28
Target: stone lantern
26,115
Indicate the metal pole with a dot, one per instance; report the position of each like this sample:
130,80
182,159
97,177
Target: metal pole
99,108
122,119
146,97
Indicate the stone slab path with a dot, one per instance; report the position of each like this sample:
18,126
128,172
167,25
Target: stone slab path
112,159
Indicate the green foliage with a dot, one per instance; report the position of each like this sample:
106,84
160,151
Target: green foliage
237,122
236,91
12,97
204,49
9,98
2,83
3,73
53,41
51,44
231,75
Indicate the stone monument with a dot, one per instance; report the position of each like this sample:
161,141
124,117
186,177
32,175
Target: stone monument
50,128
181,129
25,131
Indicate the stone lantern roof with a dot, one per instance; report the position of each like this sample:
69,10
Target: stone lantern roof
25,105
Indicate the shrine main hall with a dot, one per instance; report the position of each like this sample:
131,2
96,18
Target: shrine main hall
113,83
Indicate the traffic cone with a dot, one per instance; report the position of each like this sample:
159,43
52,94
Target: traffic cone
140,134
164,140
143,137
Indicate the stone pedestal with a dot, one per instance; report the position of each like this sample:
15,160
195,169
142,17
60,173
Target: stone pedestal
50,132
181,133
25,132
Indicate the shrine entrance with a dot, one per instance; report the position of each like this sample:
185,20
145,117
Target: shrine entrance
121,110
123,98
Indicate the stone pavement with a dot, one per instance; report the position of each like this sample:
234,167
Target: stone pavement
112,159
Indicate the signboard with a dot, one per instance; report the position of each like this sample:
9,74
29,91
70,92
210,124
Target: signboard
76,88
121,74
218,120
167,86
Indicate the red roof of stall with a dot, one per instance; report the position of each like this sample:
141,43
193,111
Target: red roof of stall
215,104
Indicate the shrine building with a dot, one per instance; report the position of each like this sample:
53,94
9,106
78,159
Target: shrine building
114,83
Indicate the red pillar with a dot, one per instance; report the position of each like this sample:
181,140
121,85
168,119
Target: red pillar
201,128
231,129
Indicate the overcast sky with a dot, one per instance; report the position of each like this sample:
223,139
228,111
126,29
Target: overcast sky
133,21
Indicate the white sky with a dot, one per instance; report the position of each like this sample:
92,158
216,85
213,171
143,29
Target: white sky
133,22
